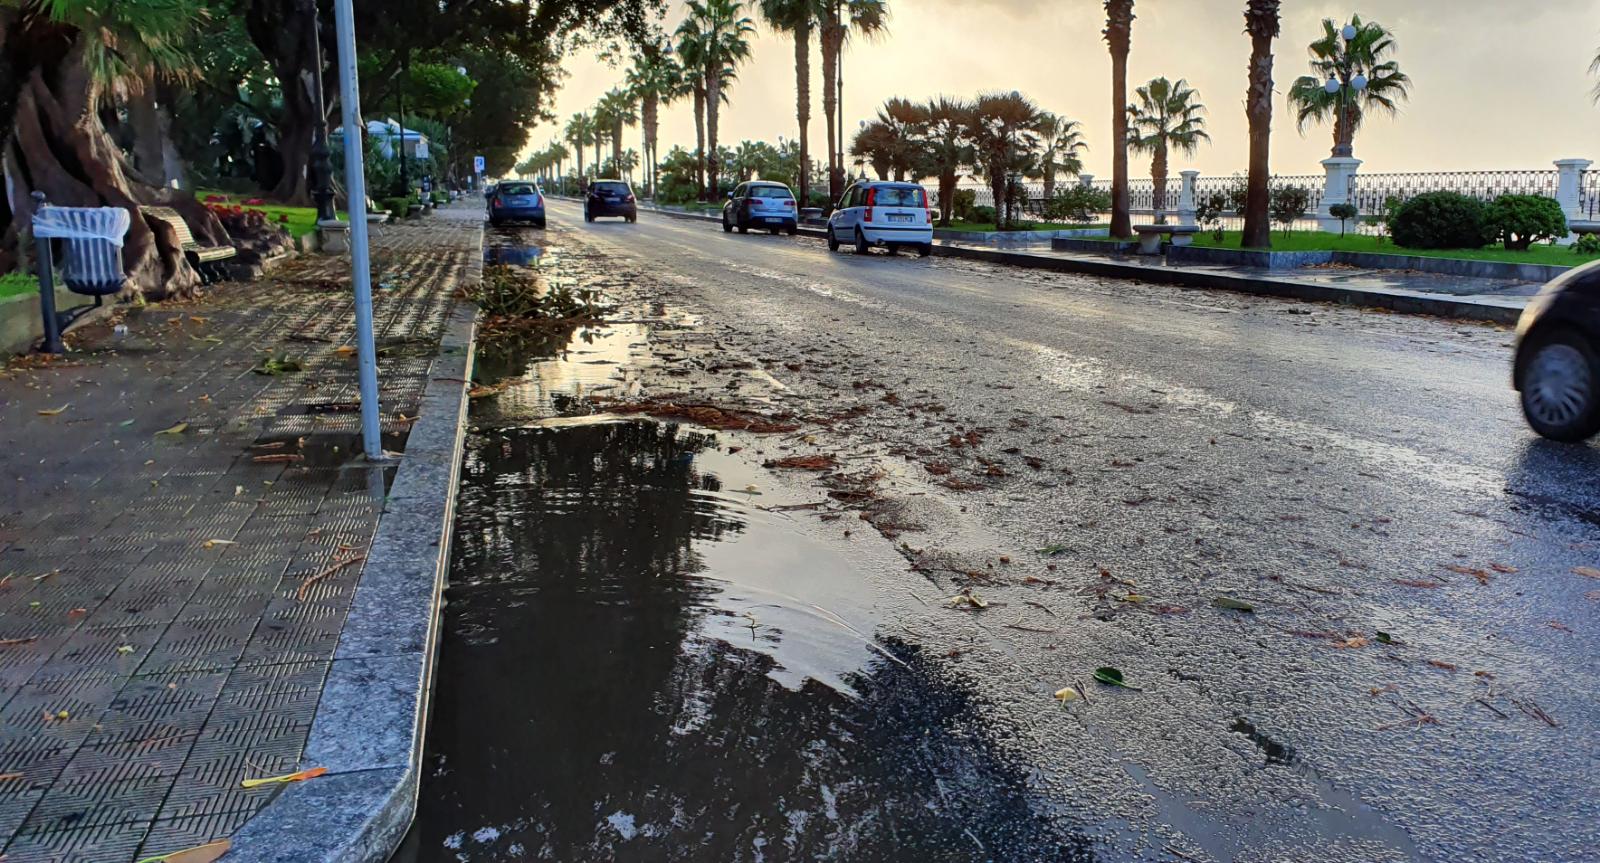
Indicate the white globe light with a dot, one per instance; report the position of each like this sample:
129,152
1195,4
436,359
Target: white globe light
1332,86
1359,81
1349,32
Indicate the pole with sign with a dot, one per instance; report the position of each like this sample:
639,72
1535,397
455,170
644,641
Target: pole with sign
479,165
355,183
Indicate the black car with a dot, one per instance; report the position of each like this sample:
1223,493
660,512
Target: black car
1557,366
610,198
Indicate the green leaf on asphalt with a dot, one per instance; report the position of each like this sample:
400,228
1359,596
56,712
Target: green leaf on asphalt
1112,677
1235,604
1052,550
1386,638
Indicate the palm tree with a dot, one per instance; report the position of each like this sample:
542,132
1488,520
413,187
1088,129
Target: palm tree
900,121
619,108
1060,142
1168,116
656,80
579,131
1594,69
1261,22
798,18
1119,35
946,147
1338,61
717,34
840,20
1005,141
627,163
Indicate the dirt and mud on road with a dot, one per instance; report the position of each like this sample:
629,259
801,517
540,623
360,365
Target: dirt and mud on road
1141,578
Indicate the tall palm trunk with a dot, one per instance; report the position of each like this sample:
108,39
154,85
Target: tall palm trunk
700,141
1261,22
648,115
713,101
1158,177
802,113
1049,181
1119,34
947,196
579,150
832,42
616,143
599,141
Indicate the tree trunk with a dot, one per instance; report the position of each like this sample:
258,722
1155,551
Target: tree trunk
700,141
1158,177
997,187
802,89
648,111
1339,129
713,104
832,42
1121,222
947,194
59,145
616,146
281,30
1049,181
1258,110
578,148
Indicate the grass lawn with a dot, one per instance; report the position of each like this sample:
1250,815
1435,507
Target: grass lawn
987,227
13,284
1316,241
300,221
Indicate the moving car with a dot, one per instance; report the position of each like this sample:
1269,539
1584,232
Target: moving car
1557,365
610,198
516,202
761,204
882,214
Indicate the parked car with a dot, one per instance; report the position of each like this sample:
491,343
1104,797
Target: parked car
892,215
516,202
761,204
1557,365
610,198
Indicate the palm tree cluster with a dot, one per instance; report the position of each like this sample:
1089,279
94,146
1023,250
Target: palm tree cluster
999,137
1328,94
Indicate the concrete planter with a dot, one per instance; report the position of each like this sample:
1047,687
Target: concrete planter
1017,236
22,322
1246,257
1103,247
1180,255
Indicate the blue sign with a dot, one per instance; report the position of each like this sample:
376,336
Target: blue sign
478,165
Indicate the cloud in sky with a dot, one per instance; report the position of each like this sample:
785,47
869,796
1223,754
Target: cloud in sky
1496,84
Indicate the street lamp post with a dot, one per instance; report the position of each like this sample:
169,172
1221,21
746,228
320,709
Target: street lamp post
321,170
1349,79
400,97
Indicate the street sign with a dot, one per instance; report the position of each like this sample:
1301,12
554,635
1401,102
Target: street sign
478,165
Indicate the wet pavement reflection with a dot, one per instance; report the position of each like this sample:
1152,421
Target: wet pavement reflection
627,674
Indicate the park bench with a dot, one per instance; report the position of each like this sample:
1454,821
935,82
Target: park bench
1150,236
91,264
207,260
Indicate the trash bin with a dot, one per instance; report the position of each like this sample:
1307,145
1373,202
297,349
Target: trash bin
91,240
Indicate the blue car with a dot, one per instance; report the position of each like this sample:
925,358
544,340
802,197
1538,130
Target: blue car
516,202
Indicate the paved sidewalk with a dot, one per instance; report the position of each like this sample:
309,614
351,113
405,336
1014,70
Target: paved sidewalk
180,541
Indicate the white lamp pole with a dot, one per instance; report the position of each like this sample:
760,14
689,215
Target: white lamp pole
355,183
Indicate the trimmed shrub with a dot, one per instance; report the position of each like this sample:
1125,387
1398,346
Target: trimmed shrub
1288,203
1519,220
962,203
1439,220
983,214
397,207
1344,213
1587,244
1077,204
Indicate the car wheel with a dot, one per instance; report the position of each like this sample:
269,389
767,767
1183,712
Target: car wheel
744,229
588,216
794,229
924,250
539,224
632,219
774,231
1561,387
727,228
495,223
833,242
861,243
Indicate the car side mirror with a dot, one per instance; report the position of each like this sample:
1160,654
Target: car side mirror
730,196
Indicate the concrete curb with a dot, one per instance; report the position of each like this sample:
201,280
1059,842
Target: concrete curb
1394,299
371,721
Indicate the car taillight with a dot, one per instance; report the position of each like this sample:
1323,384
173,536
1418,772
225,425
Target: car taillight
872,196
498,203
789,204
629,199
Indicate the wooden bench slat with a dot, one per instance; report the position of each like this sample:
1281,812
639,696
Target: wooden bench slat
186,240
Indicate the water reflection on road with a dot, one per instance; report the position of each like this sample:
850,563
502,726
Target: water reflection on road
629,672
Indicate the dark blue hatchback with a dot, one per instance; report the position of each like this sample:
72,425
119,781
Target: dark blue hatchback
516,202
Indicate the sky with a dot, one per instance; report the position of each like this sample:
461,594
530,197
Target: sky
1496,84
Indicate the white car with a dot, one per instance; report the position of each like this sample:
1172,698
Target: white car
882,214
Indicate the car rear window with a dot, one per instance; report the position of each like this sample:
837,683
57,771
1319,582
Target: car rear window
611,188
516,189
770,192
891,196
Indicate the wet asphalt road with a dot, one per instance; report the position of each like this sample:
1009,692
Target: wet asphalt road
1145,450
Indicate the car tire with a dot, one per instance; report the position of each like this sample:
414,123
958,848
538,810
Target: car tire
727,228
862,247
924,250
775,231
588,216
794,229
495,223
744,229
539,223
833,242
1560,384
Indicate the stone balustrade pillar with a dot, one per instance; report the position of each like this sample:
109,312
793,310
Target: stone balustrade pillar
1569,192
1186,198
1341,173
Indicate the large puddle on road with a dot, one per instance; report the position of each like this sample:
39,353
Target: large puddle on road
651,653
640,662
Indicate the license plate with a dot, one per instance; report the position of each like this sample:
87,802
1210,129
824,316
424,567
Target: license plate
899,217
770,220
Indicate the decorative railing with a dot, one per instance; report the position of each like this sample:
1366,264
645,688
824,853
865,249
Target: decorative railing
1368,192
